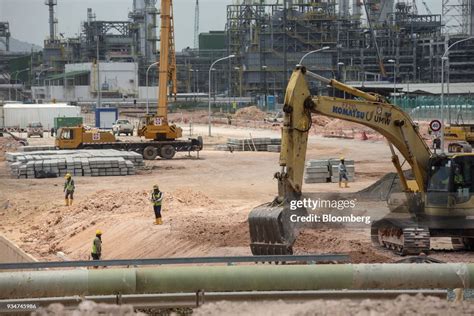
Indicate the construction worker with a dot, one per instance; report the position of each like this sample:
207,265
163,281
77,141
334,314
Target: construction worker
440,179
97,246
156,198
234,107
458,178
342,173
69,189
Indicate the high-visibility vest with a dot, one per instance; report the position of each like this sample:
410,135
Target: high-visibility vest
156,198
69,185
94,246
458,179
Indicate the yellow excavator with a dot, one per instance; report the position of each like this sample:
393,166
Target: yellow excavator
157,127
439,199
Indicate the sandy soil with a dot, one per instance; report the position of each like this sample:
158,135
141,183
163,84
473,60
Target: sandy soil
403,305
207,201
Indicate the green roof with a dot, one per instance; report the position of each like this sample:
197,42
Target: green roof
67,75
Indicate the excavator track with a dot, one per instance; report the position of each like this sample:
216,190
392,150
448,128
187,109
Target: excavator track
271,230
403,237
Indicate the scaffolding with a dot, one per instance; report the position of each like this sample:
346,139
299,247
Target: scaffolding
457,16
114,39
269,40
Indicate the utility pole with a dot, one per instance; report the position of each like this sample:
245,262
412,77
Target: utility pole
392,61
210,84
265,87
443,59
98,73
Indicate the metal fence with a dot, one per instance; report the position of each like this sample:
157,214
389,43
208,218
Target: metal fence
457,108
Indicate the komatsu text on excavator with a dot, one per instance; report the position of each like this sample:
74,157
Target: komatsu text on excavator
439,199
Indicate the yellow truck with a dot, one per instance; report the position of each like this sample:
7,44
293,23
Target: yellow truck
80,138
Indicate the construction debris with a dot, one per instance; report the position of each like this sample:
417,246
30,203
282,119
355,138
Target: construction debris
326,170
56,163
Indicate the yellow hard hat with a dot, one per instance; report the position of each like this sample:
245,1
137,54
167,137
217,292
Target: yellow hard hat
155,187
68,175
341,158
98,232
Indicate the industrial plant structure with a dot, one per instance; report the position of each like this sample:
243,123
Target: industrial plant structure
371,40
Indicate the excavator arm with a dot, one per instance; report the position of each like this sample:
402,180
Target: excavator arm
388,120
270,228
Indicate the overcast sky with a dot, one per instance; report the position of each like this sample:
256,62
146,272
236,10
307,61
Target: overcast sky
29,18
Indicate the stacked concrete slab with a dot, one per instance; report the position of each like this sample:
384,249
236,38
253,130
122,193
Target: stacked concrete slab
274,148
252,144
317,171
327,170
56,163
35,148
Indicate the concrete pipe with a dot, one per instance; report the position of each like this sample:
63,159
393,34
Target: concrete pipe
234,278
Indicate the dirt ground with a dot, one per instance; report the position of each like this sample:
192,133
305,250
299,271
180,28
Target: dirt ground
402,305
206,204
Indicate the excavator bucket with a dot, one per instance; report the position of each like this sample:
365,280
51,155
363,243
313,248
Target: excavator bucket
273,230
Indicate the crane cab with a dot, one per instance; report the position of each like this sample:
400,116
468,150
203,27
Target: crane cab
157,128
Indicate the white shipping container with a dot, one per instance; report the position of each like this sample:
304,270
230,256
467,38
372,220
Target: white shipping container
2,119
20,115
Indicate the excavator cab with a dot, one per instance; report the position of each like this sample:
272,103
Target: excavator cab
450,181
